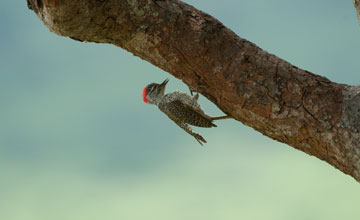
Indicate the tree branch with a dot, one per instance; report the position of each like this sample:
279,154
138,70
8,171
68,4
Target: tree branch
281,101
357,7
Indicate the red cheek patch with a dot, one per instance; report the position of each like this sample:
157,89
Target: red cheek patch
144,95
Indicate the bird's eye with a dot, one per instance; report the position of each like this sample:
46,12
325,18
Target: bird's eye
151,88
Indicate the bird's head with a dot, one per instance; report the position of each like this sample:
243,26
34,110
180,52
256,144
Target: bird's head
153,92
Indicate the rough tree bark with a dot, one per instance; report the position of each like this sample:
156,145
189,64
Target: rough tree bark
288,104
357,7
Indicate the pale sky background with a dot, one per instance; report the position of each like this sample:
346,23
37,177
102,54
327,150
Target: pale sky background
78,143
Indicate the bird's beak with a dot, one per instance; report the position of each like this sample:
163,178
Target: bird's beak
163,85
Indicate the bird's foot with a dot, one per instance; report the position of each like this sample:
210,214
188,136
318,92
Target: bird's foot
198,86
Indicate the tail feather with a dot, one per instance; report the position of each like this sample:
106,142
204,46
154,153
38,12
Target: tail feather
221,117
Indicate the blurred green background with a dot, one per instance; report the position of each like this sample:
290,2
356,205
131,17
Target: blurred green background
77,142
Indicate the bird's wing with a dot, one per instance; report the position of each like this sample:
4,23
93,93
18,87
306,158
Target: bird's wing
186,114
183,125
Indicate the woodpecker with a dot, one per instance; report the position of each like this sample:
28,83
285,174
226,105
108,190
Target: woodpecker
180,107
